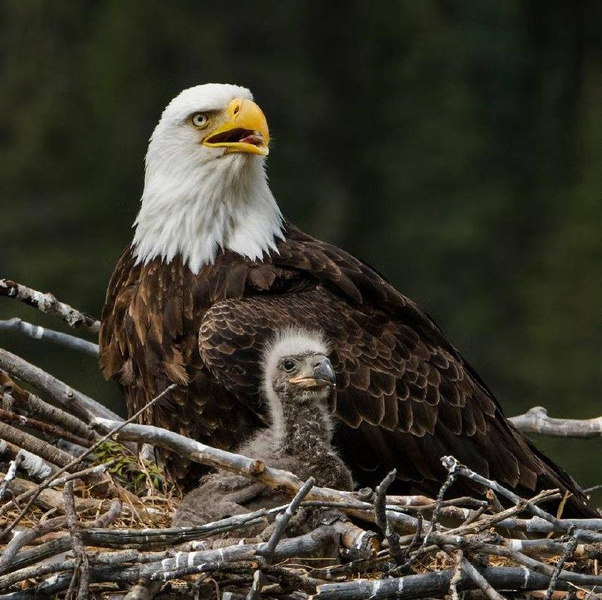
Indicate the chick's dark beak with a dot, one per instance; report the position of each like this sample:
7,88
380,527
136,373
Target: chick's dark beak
323,371
315,374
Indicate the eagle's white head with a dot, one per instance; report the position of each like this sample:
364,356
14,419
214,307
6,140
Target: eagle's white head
206,188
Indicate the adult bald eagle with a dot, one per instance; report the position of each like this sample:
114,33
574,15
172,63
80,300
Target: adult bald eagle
214,269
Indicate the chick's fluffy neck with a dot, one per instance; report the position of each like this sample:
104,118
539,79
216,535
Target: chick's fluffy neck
300,427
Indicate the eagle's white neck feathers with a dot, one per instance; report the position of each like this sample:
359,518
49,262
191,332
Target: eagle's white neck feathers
198,200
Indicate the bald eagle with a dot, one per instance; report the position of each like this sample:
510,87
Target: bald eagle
214,269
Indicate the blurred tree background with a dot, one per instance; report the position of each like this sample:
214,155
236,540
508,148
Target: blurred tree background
454,144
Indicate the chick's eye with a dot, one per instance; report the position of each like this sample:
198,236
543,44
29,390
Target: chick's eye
200,119
288,365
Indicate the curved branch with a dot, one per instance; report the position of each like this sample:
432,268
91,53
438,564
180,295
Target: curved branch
536,420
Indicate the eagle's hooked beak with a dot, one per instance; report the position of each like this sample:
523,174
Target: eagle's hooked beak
322,375
245,131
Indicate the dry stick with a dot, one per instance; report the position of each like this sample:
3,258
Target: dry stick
462,530
95,534
11,473
587,527
76,461
19,563
457,576
81,572
453,465
53,430
530,563
380,513
43,333
428,585
536,420
255,469
267,552
35,445
26,537
47,303
33,406
566,555
187,563
65,396
95,471
449,480
481,582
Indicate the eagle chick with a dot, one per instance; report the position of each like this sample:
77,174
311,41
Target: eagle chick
299,386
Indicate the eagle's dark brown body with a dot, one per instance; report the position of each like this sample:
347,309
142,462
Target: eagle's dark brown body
405,395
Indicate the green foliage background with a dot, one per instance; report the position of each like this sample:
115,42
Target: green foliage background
454,144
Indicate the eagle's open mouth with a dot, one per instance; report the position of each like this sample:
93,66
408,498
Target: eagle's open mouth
237,135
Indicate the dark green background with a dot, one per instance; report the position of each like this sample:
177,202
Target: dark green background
455,145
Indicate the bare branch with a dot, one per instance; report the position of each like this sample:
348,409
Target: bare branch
47,303
566,555
256,469
432,584
452,465
81,572
65,396
34,445
11,473
380,513
24,401
536,420
43,333
48,428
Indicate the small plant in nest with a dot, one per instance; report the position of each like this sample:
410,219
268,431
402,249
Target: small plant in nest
130,470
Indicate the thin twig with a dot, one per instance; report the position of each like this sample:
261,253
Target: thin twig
81,572
481,582
380,512
453,465
267,552
566,555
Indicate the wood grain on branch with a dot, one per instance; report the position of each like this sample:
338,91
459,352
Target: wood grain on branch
43,333
47,303
536,420
35,445
434,584
65,396
23,401
256,469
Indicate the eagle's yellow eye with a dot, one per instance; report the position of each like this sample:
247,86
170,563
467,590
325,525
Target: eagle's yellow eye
200,120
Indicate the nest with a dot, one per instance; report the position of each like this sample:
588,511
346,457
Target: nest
83,516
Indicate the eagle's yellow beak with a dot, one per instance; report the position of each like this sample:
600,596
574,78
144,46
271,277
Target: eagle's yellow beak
246,130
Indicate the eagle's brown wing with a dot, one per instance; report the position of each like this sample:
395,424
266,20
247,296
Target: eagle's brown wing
405,395
148,341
